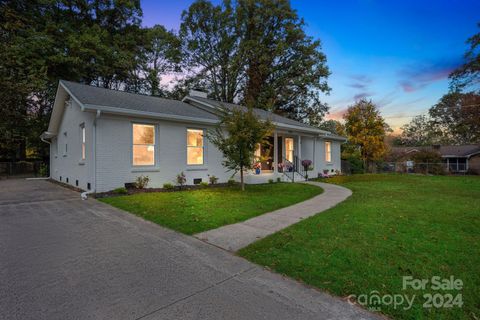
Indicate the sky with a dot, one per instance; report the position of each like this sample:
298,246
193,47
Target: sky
397,53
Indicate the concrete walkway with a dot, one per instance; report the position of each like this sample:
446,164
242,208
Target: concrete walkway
236,236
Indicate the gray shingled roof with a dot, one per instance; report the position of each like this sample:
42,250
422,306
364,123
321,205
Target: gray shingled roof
456,151
119,99
96,96
262,114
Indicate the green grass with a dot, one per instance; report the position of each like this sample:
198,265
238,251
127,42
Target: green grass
195,211
392,226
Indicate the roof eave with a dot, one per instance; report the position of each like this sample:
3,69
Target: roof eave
276,124
155,115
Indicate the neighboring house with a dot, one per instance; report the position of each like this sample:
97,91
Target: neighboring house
102,139
457,159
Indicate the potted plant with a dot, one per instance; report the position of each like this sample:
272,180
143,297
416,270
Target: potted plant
306,164
257,166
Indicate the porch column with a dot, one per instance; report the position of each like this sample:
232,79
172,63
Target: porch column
299,155
275,152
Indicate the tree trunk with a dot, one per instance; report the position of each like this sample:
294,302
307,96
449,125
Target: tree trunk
242,184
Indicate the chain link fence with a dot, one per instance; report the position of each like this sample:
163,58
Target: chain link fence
433,168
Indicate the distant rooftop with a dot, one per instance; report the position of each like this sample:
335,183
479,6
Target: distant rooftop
455,151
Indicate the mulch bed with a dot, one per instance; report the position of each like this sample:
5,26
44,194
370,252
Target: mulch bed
131,191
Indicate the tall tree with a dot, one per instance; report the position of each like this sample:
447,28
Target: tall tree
256,52
237,136
211,40
457,117
333,126
420,131
159,55
366,129
286,69
468,74
91,41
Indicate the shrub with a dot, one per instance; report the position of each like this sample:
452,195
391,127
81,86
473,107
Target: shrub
231,182
181,179
270,181
121,190
203,184
279,179
168,186
142,182
43,170
213,179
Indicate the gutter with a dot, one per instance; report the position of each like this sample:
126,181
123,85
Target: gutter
42,138
85,194
155,115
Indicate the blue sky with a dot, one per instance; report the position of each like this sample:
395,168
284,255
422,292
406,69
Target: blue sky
397,53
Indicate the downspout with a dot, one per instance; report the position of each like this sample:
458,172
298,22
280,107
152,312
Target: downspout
85,194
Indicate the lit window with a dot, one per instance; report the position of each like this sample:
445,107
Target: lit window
328,151
289,149
194,146
82,128
143,145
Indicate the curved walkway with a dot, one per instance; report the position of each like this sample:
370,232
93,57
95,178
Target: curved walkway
233,237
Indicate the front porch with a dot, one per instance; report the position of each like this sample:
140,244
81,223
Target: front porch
280,158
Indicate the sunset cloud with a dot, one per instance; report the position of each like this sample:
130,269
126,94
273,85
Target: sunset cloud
416,77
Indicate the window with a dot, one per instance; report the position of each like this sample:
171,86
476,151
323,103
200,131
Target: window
194,146
289,149
328,151
82,134
143,144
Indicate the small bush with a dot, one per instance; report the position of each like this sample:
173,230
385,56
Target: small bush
181,179
168,186
270,181
121,190
279,179
203,184
142,182
43,170
213,179
231,182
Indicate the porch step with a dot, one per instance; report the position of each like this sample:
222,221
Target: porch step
297,177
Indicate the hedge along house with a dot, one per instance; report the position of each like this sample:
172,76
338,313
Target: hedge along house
102,139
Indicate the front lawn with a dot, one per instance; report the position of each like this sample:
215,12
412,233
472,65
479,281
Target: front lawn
195,211
392,226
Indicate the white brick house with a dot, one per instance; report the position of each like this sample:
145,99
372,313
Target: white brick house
101,139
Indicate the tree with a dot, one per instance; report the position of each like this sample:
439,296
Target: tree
421,131
159,55
457,118
286,70
237,136
42,41
211,39
366,129
256,52
468,74
333,126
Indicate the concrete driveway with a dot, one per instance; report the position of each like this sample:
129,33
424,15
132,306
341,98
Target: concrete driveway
64,258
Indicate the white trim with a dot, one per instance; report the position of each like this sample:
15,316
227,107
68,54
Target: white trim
329,152
197,165
154,144
154,115
82,106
